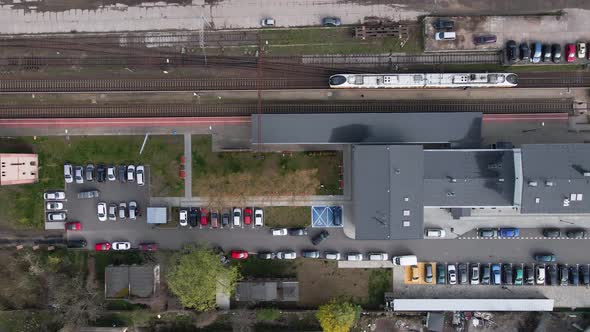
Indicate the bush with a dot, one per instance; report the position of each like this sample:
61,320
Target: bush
267,315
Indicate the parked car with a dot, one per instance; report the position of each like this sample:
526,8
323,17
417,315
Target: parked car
131,173
546,53
111,176
102,246
574,276
258,217
266,255
89,194
73,226
310,253
570,53
54,195
485,274
525,52
442,24
434,232
511,51
90,172
354,256
378,256
475,274
552,278
140,175
507,274
101,173
54,206
415,273
122,173
56,216
545,258
239,254
124,245
286,255
509,232
332,255
463,274
193,216
518,276
556,53
204,220
540,274
248,216
581,50
297,231
563,275
496,274
331,21
79,174
537,51
488,232
237,216
225,217
132,210
112,214
484,39
102,211
452,273
445,35
149,246
576,234
321,236
585,274
214,217
268,22
336,216
76,244
68,173
279,231
529,275
551,232
441,274
122,210
183,217
428,273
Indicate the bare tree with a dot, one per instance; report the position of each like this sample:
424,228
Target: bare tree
73,301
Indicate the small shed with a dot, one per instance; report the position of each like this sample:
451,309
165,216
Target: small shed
157,215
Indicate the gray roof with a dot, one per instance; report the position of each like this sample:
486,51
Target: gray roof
116,281
141,280
156,215
461,129
267,291
468,178
124,281
459,304
385,186
558,171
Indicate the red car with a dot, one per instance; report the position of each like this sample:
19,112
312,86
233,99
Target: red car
248,216
239,254
148,246
73,226
570,52
204,221
104,246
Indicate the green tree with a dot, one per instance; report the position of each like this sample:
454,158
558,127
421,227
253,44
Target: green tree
338,315
197,274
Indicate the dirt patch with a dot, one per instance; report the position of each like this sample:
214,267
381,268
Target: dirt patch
287,216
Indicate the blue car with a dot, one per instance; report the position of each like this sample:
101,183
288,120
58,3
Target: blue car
509,232
496,274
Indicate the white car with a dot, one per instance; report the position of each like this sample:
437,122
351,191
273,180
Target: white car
59,216
183,218
102,211
111,176
286,255
133,210
238,217
79,174
333,255
581,50
120,245
130,173
279,231
540,274
354,256
258,217
434,232
122,210
140,175
68,173
54,206
378,256
53,195
452,273
268,22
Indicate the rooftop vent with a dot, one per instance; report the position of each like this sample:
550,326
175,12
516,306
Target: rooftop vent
533,183
549,183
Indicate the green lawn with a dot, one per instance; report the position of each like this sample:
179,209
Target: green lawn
22,206
262,268
287,216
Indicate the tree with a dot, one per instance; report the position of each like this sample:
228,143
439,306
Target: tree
338,315
196,276
74,302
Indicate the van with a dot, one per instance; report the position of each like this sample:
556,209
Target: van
537,52
445,36
405,260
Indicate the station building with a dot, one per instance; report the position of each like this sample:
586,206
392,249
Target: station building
402,163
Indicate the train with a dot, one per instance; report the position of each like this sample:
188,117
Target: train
424,81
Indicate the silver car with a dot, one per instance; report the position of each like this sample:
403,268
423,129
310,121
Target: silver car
112,212
78,174
56,216
286,254
68,173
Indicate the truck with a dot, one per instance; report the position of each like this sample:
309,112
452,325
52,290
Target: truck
405,260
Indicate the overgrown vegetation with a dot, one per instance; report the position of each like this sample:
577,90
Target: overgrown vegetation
339,315
261,268
267,314
287,216
380,281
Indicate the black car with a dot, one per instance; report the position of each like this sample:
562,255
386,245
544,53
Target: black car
320,237
556,53
551,232
485,39
576,234
337,215
511,51
76,244
441,274
574,276
442,24
225,217
331,21
585,274
101,173
122,172
563,275
552,278
297,231
525,52
485,274
428,273
266,255
310,253
529,275
463,274
546,53
193,216
507,274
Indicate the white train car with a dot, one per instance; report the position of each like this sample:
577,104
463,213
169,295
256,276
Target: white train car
424,81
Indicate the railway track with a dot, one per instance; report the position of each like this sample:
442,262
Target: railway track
405,59
205,110
572,79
